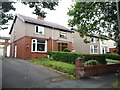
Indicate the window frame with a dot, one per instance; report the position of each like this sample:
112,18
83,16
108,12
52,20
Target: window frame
93,47
65,34
36,46
43,33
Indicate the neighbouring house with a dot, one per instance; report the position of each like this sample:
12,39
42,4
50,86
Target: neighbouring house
32,38
96,45
4,46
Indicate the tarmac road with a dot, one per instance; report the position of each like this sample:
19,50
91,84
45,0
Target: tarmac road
18,73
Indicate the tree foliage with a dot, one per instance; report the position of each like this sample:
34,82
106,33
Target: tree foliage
38,6
99,18
95,18
5,16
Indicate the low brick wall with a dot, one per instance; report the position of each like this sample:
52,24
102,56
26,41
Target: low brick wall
87,71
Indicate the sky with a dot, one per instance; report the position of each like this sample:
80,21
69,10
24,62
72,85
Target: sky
58,16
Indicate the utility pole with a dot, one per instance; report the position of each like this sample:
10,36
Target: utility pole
118,13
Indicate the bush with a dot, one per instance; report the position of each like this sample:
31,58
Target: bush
112,56
66,50
70,57
91,62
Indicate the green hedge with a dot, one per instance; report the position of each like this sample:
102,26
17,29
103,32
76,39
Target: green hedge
112,56
70,57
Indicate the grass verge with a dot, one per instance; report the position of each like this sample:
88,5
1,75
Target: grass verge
65,69
116,84
111,60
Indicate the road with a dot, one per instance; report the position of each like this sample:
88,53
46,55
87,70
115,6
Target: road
18,73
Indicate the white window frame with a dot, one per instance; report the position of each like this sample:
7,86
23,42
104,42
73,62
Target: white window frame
103,49
38,30
36,46
93,47
63,33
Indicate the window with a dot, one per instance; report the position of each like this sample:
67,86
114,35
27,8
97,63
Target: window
104,50
62,46
93,40
39,30
93,49
1,40
103,42
39,45
63,34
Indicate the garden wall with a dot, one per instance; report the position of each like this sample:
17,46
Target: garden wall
87,71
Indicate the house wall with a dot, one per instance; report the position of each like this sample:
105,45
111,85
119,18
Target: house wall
108,43
48,33
18,30
24,48
81,47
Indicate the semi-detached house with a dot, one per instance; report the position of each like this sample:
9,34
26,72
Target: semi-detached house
33,38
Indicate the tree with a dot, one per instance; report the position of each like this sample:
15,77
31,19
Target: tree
38,6
41,5
95,18
4,15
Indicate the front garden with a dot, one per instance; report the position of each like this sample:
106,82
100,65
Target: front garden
65,61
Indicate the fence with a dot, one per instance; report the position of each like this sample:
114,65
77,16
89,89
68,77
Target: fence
87,71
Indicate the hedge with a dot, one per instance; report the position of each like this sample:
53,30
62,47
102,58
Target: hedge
112,56
70,57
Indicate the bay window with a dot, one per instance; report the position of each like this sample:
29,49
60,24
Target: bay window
39,45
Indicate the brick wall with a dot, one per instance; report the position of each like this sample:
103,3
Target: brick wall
87,71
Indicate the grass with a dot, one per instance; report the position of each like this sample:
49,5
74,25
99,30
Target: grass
116,84
110,60
59,66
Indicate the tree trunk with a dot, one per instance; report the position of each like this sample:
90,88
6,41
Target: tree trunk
118,48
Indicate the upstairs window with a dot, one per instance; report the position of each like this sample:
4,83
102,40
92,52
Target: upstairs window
39,45
63,34
39,30
93,40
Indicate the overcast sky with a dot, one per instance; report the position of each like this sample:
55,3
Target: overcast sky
58,16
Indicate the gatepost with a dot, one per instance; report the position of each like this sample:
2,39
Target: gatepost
80,70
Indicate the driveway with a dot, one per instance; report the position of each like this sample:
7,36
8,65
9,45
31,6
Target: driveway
18,73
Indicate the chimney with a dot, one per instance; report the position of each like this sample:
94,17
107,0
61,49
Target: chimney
41,18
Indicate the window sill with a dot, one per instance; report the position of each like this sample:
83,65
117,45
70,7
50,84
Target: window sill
39,52
40,34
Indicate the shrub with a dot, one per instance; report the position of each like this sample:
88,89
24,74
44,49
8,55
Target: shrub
112,56
66,50
70,57
91,62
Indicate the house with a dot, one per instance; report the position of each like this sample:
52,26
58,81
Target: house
32,38
4,46
96,45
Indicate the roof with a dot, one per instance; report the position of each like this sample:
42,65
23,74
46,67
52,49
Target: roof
44,23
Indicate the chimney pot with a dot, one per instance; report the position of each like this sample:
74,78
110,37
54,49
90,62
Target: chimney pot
41,18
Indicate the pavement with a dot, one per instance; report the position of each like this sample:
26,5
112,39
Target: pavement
17,73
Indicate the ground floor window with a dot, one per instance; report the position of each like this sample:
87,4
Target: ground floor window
62,46
39,45
94,49
105,50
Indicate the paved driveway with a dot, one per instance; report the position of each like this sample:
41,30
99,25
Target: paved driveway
18,73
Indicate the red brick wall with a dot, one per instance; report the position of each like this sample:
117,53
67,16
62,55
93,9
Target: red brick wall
112,49
87,71
24,48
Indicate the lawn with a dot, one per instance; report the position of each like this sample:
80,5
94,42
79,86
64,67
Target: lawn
110,60
57,65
